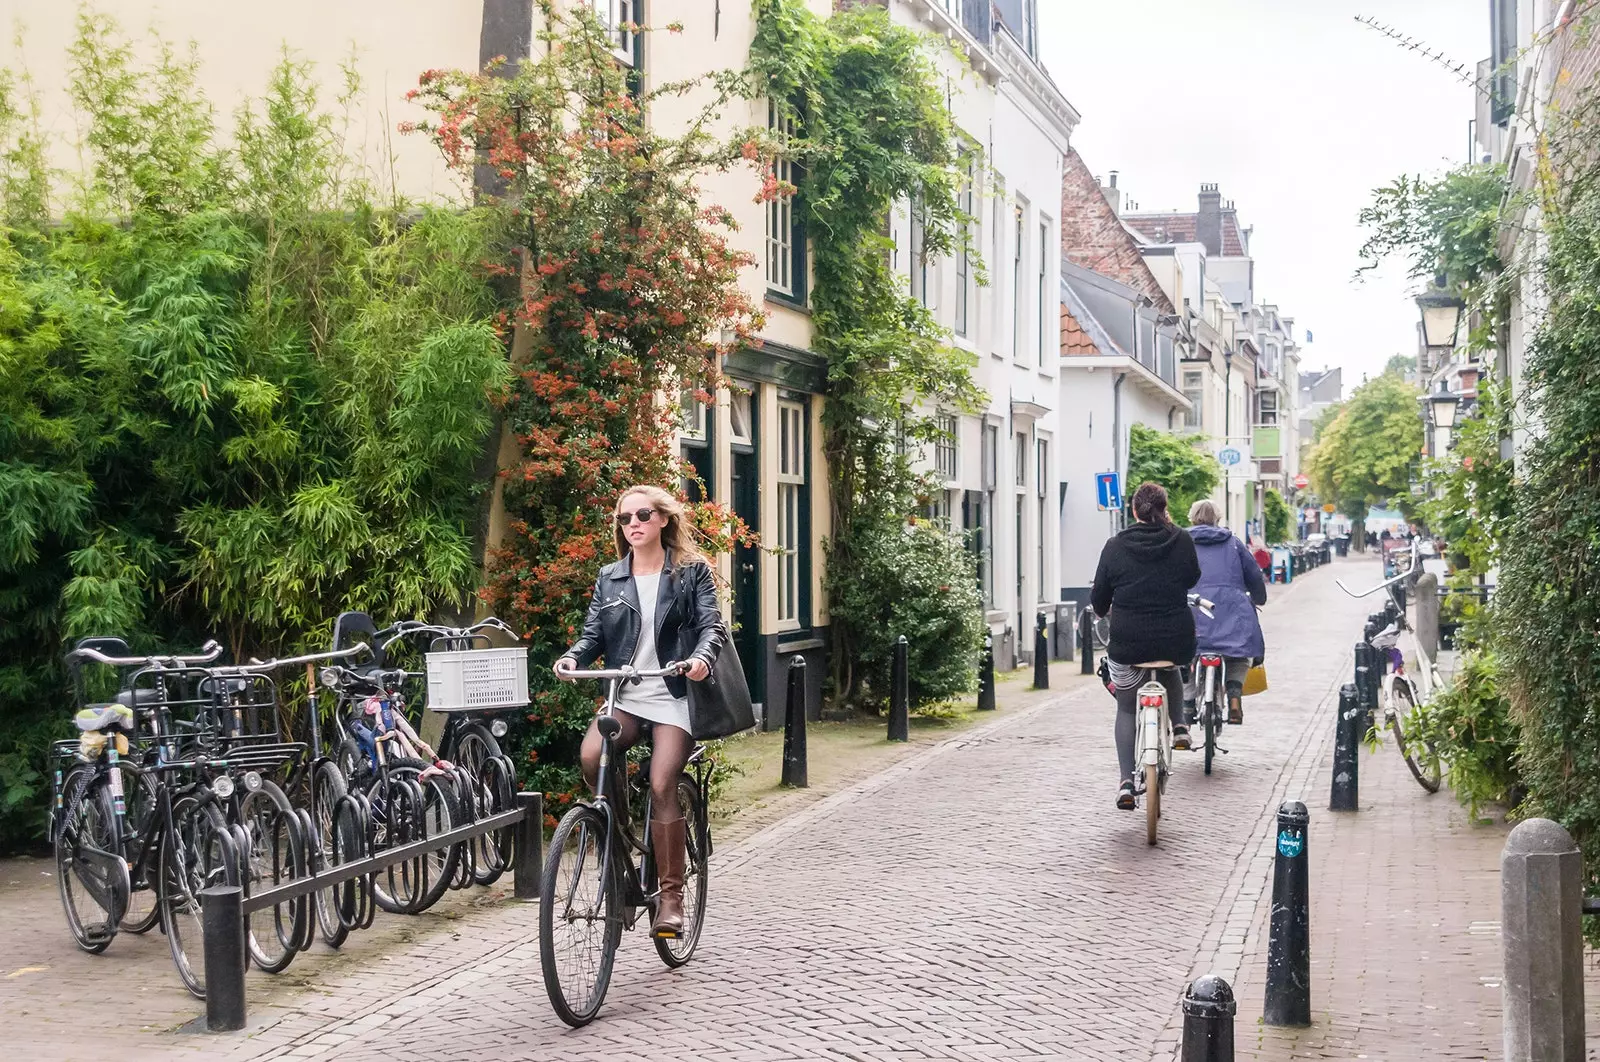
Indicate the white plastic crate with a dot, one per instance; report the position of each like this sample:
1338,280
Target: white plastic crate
464,680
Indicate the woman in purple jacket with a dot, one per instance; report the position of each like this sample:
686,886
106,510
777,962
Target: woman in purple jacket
1230,577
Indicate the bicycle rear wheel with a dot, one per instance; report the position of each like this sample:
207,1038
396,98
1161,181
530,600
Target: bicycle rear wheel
141,837
333,905
415,885
675,951
1420,755
1152,801
580,921
93,893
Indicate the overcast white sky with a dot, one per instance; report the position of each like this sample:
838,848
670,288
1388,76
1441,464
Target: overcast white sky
1297,112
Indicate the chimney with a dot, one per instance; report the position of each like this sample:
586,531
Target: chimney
1113,194
1208,222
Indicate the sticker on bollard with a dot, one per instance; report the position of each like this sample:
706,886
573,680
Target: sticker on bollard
1291,844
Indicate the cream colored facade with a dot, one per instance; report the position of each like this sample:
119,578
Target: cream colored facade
389,44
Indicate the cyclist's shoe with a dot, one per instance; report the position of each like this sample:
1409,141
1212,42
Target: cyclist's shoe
1235,710
1189,715
1180,738
669,840
1126,798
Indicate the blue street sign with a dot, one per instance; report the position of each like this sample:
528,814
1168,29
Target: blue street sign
1108,488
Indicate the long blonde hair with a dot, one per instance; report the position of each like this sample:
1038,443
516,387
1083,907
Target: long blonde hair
674,536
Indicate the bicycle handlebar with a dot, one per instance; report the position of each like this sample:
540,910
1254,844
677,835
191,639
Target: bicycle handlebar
1196,601
627,672
406,628
294,661
208,652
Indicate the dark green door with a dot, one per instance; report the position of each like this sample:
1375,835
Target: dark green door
747,574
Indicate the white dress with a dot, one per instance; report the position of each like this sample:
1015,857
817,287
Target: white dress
650,699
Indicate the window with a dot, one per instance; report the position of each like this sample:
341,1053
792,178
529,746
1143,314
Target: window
1043,478
614,15
739,417
792,530
940,508
1044,270
695,431
1016,285
986,515
1194,391
1267,409
1502,60
944,449
1022,460
918,251
786,247
964,251
991,456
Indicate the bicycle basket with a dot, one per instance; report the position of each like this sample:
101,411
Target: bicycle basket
469,680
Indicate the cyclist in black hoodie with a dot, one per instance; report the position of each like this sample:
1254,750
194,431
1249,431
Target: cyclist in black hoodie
1146,571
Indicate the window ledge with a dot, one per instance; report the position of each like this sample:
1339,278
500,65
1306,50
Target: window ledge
788,302
801,645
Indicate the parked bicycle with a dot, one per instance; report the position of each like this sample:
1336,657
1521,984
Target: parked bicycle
1152,749
1404,693
599,874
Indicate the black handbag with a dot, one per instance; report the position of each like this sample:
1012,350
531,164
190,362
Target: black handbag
720,704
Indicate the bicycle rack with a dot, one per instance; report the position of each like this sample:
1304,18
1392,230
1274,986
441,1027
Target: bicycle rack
225,909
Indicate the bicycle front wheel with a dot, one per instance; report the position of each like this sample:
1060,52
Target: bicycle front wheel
675,951
276,856
196,853
580,920
1420,755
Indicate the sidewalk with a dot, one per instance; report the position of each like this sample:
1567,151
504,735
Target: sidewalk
1405,929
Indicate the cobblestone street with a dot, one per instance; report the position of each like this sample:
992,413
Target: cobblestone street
982,899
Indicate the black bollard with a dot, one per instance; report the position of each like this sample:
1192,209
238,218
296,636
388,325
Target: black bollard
222,917
528,854
1086,640
1289,945
794,726
986,675
900,692
1041,655
1208,1010
1346,794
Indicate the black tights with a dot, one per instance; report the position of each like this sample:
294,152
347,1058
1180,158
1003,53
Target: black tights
669,754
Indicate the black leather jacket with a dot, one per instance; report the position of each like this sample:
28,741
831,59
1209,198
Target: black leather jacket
688,620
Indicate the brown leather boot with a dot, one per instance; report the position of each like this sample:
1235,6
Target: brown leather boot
669,844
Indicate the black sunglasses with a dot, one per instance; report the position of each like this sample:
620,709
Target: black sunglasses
643,516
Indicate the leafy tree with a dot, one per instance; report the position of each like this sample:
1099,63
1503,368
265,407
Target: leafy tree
236,393
1401,364
1275,517
1366,454
1177,462
625,271
873,131
1448,225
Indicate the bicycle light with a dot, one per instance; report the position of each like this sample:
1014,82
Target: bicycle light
222,786
252,780
1150,700
330,677
498,728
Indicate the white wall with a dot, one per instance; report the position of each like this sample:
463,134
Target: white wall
1096,416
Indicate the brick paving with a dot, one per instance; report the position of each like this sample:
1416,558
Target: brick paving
981,899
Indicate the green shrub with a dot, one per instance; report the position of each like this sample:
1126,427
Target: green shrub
1471,726
1275,517
919,580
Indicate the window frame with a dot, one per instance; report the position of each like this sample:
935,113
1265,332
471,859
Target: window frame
947,448
785,235
793,538
963,268
1019,212
613,14
1044,279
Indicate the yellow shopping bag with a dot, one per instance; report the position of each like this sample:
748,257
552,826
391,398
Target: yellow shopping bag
1256,681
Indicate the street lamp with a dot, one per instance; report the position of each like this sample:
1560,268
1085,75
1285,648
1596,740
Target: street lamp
1441,322
1442,404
